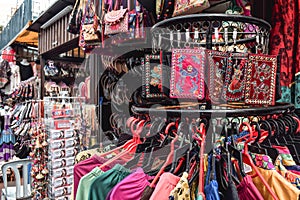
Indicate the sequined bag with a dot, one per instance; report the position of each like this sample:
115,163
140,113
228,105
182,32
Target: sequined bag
185,7
187,74
261,79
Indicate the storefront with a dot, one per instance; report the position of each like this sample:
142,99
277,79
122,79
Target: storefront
163,100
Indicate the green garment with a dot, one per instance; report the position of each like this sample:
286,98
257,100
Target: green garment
102,185
85,182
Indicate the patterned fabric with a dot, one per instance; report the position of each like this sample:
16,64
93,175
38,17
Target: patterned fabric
262,161
289,176
284,38
182,189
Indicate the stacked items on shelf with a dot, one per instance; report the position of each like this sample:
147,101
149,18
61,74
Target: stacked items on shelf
63,120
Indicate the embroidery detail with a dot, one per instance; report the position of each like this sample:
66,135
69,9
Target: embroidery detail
261,80
153,77
187,74
235,80
217,69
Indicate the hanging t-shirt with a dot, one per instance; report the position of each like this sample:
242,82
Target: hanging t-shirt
85,183
131,187
26,71
105,182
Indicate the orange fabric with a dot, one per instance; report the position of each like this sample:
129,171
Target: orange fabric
282,188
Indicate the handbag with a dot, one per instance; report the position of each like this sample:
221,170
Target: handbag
217,64
116,21
89,35
261,79
185,7
187,74
234,85
75,19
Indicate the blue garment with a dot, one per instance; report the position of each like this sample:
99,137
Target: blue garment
294,167
211,187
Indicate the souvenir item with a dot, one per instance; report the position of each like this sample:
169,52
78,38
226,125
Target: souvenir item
235,77
217,64
152,86
261,79
187,74
75,18
185,7
116,21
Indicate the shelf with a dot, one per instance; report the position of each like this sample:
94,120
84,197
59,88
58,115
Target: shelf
218,111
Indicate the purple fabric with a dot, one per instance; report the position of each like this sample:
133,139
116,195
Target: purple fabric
247,190
130,188
88,165
6,151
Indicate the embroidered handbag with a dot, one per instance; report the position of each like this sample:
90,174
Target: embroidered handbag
261,79
116,21
187,74
152,76
185,7
217,64
234,86
75,19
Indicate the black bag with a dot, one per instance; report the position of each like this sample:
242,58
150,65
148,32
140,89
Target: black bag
75,19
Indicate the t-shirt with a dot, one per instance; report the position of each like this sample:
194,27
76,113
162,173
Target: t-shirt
26,71
85,183
105,182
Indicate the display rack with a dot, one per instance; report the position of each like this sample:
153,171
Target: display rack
200,29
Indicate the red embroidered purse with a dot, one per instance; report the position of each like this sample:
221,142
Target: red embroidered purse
234,87
261,79
187,74
217,63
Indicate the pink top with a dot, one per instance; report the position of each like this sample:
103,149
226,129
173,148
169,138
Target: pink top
130,188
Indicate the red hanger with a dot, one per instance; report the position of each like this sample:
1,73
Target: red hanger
129,146
202,132
170,156
248,160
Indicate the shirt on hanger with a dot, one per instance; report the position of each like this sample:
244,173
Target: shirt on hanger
283,189
247,190
85,183
86,166
131,187
102,185
165,185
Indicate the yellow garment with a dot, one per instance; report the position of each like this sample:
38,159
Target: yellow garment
182,189
281,187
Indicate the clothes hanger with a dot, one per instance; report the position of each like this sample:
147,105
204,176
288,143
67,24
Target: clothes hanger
169,158
162,151
130,146
248,160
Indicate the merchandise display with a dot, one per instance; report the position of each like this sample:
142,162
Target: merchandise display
154,100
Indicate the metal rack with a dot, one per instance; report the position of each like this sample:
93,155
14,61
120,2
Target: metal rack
200,30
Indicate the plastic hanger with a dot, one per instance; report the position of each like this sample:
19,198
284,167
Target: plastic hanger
248,160
169,158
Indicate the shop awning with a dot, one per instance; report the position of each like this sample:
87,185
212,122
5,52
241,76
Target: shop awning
26,37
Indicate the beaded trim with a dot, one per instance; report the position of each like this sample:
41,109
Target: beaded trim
187,74
261,80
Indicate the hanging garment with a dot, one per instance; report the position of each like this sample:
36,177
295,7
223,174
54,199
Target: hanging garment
105,182
273,178
85,167
85,183
165,185
131,187
211,187
26,71
284,40
247,190
182,189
